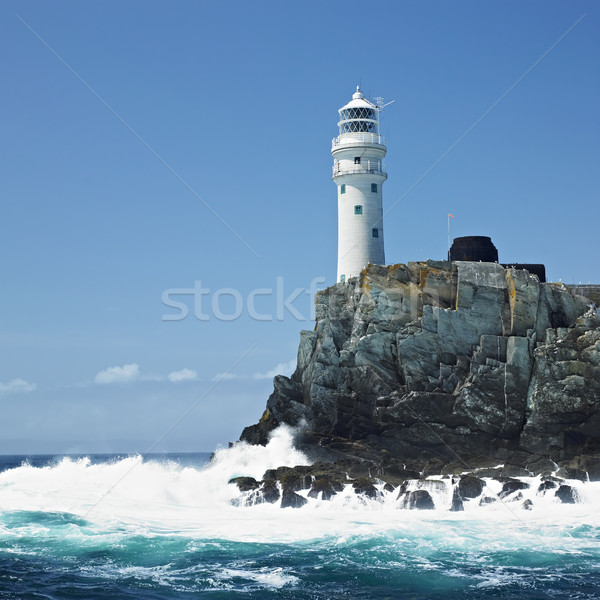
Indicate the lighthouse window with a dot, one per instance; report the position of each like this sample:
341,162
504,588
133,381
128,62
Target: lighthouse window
358,126
357,160
375,232
374,187
358,209
357,113
343,188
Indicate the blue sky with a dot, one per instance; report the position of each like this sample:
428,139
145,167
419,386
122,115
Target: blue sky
127,126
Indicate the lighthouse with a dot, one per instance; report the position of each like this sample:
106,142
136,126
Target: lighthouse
358,153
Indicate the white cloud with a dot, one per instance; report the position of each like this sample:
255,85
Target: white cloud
280,369
15,386
183,375
122,374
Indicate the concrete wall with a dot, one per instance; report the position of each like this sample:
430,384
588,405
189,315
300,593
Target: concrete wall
590,291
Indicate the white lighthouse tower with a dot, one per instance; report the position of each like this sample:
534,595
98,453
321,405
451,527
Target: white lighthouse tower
358,153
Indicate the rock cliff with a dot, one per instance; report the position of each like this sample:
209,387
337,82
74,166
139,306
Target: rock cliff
445,367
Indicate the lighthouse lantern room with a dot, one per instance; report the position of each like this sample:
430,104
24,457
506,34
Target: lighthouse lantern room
358,153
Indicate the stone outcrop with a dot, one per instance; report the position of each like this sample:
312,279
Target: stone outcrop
566,494
442,368
420,499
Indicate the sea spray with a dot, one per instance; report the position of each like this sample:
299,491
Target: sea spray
245,460
138,489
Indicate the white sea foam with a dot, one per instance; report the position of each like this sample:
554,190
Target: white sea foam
132,496
274,578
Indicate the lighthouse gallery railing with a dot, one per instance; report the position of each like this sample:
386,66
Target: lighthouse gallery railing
356,139
371,166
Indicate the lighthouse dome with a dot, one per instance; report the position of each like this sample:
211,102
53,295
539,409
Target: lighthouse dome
359,115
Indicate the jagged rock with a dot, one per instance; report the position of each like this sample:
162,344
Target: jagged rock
487,500
547,485
411,365
543,466
418,499
514,471
589,464
327,488
291,499
470,487
402,490
571,473
433,466
245,484
512,486
270,492
394,472
457,503
564,396
492,473
566,494
527,505
291,478
294,482
365,488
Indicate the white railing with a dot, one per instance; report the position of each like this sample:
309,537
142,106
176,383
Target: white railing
371,166
356,139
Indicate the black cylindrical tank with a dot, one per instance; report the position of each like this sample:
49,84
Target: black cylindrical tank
474,248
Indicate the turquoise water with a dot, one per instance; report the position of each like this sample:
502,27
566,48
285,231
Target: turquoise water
165,527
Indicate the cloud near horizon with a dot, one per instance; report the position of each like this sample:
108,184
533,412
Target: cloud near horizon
123,374
182,375
279,369
131,372
17,386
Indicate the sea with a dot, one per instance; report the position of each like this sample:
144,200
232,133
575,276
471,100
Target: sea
170,526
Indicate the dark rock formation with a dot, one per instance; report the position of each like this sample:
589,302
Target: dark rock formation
509,470
291,499
571,473
512,486
487,500
365,487
457,503
470,487
270,492
547,485
326,488
528,504
245,484
441,368
420,499
566,494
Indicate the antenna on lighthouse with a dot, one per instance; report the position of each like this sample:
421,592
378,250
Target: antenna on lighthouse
379,102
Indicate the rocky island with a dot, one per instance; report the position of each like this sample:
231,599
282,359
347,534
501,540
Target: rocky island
462,370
